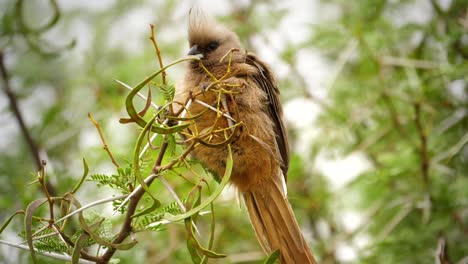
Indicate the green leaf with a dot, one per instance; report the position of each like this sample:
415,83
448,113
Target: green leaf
7,222
28,223
93,234
212,226
171,144
168,91
136,162
131,108
149,209
85,173
120,181
211,198
80,242
193,245
196,259
273,257
144,221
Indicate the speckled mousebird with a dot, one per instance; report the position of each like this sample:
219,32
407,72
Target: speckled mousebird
260,147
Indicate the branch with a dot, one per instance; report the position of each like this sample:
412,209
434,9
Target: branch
397,218
134,198
158,53
101,135
423,138
161,64
442,256
425,163
33,147
392,110
214,109
409,63
105,200
126,228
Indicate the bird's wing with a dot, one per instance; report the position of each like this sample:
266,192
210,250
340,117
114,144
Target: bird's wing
266,81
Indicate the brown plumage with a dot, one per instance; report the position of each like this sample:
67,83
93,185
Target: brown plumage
259,147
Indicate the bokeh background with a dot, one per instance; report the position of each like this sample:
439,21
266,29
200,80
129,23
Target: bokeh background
375,98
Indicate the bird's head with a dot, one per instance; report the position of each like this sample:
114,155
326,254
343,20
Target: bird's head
210,39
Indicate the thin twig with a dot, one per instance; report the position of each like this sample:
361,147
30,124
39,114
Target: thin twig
33,147
105,200
404,211
344,57
42,181
178,200
158,53
214,109
126,228
40,237
247,257
139,94
226,108
61,237
161,64
165,222
409,63
442,256
452,151
173,193
161,178
147,145
103,140
47,254
423,138
134,198
184,111
69,241
174,161
160,157
135,192
463,260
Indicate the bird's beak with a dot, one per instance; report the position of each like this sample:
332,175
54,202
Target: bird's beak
194,50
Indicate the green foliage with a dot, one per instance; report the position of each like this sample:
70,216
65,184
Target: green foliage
171,144
52,230
122,181
392,100
168,91
147,221
273,258
50,244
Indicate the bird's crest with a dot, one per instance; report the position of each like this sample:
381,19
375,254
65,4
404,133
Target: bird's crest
203,28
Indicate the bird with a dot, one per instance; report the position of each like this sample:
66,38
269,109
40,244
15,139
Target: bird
258,140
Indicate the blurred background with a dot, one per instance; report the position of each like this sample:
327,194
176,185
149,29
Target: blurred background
375,98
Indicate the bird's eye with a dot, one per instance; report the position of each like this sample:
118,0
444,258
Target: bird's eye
212,46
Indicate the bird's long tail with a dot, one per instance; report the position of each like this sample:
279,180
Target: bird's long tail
275,225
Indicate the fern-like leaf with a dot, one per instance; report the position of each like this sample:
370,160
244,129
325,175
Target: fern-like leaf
168,91
145,222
